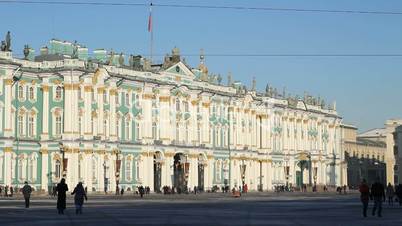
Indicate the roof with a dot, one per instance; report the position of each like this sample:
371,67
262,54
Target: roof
350,126
368,142
378,132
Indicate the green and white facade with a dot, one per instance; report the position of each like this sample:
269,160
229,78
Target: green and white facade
165,124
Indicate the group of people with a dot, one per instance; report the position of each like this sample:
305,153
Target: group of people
79,196
8,191
378,195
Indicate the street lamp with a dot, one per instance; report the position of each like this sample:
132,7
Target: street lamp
118,163
64,160
105,176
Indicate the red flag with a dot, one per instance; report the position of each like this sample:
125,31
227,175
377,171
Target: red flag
150,20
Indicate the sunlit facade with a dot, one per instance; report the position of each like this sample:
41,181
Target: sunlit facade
111,120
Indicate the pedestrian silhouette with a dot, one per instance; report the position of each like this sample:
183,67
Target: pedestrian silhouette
390,194
26,191
61,196
79,195
364,196
378,195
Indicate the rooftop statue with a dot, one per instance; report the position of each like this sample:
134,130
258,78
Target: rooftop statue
75,50
26,52
131,60
219,79
121,59
111,57
254,84
230,79
8,41
3,46
267,90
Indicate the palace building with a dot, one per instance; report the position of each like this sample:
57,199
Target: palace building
108,119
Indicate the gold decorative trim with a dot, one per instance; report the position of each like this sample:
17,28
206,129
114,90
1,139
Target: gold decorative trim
112,92
148,96
164,98
88,151
8,149
8,81
45,88
88,88
43,151
205,104
101,90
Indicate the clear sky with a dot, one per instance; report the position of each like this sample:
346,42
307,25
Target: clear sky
367,89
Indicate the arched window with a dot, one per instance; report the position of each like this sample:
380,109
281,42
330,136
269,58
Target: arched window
79,93
128,172
154,131
218,170
137,131
105,127
21,169
186,107
117,98
20,92
94,171
199,132
187,133
127,129
58,169
32,164
58,125
58,92
137,101
177,132
118,128
127,99
177,105
137,170
104,96
31,93
21,125
31,126
79,125
79,167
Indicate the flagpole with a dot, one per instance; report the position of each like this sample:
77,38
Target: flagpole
150,29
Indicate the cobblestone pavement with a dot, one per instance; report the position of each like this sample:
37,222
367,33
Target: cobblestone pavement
205,209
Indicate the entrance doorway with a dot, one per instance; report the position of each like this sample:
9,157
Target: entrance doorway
157,172
180,171
201,163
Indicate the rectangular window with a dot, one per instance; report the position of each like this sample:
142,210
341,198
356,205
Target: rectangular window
31,125
21,125
58,125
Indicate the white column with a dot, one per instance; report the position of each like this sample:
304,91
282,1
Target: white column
7,165
7,108
45,170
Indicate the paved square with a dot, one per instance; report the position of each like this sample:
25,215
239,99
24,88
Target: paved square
204,209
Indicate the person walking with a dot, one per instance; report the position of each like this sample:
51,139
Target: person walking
26,191
390,194
398,193
61,189
79,195
364,196
378,194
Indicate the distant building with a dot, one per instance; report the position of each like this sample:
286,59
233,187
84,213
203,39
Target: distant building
391,135
394,150
364,155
